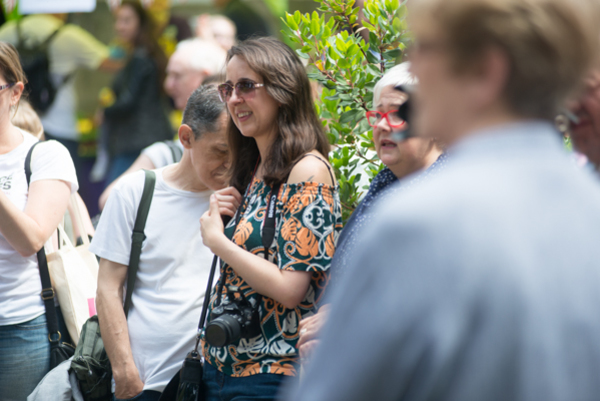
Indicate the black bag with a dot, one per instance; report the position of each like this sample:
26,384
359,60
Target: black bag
60,350
35,61
90,363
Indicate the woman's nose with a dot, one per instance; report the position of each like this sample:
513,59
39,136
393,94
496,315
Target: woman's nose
383,125
234,98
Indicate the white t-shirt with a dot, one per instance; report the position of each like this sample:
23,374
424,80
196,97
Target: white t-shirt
20,285
72,48
161,154
172,276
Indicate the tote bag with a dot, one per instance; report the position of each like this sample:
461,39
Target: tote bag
74,275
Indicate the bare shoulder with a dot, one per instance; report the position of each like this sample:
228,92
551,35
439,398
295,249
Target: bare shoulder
313,167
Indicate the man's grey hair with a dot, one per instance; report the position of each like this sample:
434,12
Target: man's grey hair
398,75
203,111
203,55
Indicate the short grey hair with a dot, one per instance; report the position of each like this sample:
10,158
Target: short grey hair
398,75
203,55
203,111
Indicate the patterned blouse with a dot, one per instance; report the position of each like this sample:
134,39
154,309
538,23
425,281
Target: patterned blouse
308,222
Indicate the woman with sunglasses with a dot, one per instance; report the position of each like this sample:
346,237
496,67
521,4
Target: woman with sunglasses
279,164
29,214
401,159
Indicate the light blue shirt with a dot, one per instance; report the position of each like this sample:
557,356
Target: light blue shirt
482,283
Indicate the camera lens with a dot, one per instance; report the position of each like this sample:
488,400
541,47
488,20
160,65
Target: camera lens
223,330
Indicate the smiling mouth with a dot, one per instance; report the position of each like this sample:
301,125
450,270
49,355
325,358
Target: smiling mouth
244,115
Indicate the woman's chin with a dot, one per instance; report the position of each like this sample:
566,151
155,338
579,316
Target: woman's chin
389,157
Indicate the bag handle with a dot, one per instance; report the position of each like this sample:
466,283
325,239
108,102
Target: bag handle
47,293
78,219
138,236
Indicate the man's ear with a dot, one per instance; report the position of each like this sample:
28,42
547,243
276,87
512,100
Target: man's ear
186,136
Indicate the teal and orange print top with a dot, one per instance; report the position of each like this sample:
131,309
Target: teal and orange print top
308,222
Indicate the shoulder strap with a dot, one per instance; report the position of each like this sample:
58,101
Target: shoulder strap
47,293
28,163
138,236
323,161
52,36
176,152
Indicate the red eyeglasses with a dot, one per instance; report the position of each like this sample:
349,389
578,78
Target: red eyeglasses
244,89
374,117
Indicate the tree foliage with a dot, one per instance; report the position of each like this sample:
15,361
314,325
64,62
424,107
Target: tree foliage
348,67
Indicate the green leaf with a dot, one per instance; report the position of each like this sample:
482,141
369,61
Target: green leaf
341,45
349,116
291,22
301,54
343,63
314,27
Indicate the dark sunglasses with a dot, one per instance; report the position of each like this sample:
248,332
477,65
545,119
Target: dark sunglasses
243,89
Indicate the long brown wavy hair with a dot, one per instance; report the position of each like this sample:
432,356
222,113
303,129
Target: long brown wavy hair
299,129
147,38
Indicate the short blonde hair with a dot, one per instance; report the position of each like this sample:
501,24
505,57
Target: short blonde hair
27,119
550,44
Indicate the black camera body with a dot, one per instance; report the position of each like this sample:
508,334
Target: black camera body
233,319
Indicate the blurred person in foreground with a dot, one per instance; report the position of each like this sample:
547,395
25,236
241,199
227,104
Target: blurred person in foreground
404,161
194,63
481,283
586,132
147,348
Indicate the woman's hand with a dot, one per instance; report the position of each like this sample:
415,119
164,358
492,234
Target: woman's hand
229,200
211,226
309,331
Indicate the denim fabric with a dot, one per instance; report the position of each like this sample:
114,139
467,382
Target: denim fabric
146,395
221,387
24,358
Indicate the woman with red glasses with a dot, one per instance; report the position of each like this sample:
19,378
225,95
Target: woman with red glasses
277,248
402,160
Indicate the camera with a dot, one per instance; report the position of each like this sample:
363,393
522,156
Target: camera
235,318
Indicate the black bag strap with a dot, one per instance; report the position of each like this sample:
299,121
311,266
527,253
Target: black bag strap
138,236
45,43
176,151
47,293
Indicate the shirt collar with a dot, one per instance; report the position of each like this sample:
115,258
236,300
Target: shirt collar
530,137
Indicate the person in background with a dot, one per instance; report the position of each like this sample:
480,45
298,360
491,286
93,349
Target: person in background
279,161
72,48
403,160
483,281
194,62
135,118
217,28
148,348
27,119
29,214
586,132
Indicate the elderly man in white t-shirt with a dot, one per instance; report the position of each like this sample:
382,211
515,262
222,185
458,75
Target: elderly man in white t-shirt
148,348
194,60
